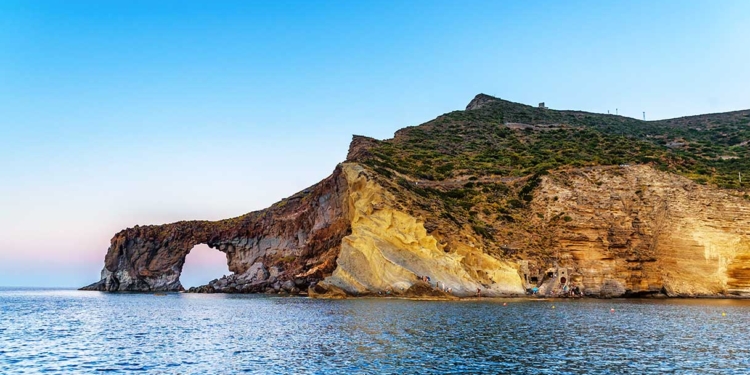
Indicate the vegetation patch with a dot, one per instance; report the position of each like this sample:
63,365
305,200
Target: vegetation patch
709,149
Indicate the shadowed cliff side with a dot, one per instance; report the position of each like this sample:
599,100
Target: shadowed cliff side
294,240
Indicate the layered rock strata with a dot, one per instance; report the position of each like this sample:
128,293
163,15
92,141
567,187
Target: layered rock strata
628,230
632,230
296,240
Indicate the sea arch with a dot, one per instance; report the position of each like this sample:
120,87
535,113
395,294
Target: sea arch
202,264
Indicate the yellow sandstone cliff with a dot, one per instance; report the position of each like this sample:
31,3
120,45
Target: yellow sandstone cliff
632,230
388,250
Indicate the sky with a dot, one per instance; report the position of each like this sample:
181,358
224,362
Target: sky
117,113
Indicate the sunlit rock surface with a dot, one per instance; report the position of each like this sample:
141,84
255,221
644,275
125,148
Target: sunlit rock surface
628,230
633,229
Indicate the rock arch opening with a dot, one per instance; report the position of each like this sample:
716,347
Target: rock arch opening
203,264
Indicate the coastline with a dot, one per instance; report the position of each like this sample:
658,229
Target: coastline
446,297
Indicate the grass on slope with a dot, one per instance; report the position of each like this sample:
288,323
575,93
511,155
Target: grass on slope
708,148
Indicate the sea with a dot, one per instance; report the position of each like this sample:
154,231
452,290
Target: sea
57,331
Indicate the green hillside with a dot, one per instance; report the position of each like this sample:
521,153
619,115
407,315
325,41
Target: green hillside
502,138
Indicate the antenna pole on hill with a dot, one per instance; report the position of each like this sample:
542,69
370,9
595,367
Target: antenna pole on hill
644,116
615,111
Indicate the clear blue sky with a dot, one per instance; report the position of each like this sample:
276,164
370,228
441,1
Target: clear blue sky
116,113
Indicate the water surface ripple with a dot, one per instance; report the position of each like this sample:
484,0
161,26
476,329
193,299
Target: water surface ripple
71,332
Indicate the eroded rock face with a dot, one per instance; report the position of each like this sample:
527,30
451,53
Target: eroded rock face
388,250
359,148
616,231
479,101
635,230
296,238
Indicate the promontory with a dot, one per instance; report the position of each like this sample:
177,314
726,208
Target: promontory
501,198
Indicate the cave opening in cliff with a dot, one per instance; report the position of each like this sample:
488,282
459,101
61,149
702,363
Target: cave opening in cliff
203,264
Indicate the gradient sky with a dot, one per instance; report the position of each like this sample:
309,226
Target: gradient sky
116,113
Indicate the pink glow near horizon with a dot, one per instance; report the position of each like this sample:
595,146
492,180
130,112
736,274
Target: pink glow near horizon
202,265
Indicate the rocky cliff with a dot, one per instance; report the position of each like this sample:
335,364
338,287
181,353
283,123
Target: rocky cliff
294,241
474,201
635,230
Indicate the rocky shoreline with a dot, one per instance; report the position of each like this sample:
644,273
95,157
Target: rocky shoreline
418,297
418,291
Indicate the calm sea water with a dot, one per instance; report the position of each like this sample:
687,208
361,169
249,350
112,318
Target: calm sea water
63,331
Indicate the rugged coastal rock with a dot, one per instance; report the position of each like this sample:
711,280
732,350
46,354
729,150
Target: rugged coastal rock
388,250
343,230
635,230
295,240
618,230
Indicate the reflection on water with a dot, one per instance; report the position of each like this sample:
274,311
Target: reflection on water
88,332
